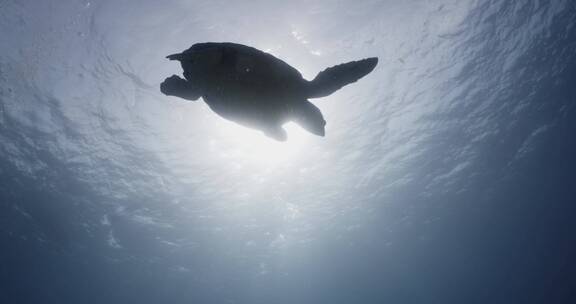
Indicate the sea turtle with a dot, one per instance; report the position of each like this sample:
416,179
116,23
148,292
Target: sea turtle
256,89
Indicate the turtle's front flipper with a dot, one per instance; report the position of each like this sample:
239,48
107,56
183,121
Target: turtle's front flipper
332,79
176,86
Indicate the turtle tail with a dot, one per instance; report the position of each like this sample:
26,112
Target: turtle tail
334,78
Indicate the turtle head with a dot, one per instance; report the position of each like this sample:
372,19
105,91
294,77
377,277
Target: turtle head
179,56
200,58
204,52
193,51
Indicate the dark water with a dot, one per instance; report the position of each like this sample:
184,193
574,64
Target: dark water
447,175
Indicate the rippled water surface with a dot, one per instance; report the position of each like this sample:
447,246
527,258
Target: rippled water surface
446,175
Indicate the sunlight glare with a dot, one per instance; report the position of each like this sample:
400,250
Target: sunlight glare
246,146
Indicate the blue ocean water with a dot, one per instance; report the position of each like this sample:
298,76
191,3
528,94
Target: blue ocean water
447,175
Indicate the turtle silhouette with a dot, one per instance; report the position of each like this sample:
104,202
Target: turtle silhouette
256,89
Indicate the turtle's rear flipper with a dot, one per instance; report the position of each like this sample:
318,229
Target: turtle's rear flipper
277,133
176,86
309,117
332,79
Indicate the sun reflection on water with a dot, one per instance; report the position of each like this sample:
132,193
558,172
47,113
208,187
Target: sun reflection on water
244,146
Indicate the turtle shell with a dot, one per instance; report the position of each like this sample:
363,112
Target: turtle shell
239,70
